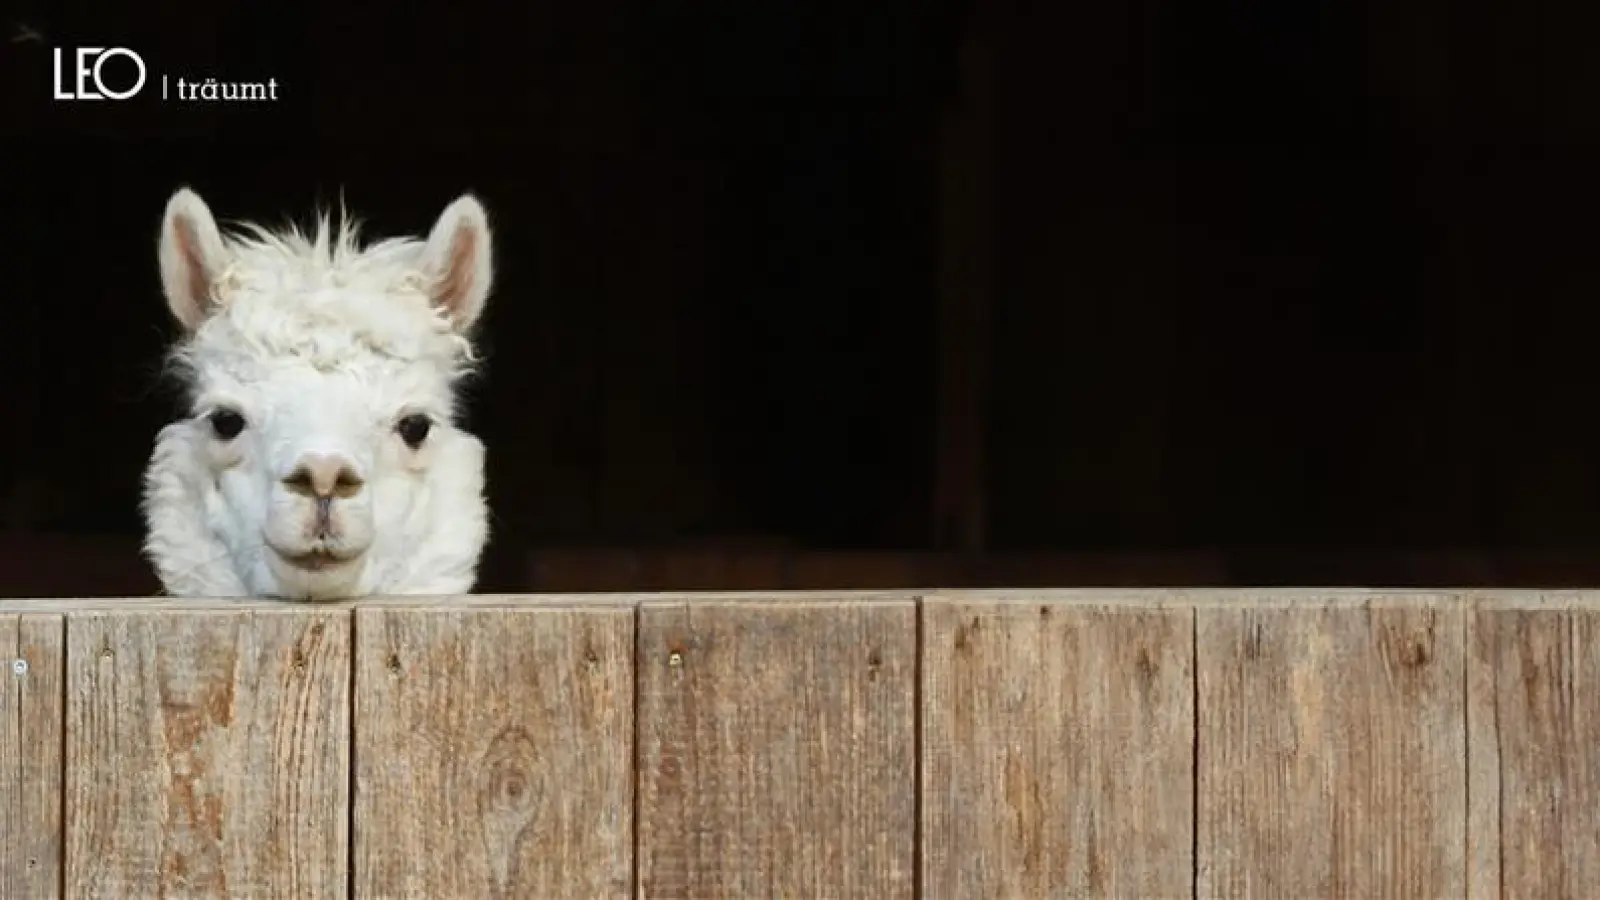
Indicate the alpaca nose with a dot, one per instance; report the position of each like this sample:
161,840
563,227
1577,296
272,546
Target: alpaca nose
324,475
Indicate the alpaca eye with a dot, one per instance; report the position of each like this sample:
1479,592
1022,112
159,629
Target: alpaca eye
414,429
226,424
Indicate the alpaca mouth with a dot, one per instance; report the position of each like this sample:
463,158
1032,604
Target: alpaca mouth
314,560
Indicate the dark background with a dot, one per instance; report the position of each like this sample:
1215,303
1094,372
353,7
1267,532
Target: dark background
885,294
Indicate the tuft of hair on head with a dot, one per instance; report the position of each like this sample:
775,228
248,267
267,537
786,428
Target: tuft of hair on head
457,261
193,258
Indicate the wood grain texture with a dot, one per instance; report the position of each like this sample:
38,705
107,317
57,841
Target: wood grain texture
1331,751
776,750
207,754
1058,751
494,753
30,754
1534,745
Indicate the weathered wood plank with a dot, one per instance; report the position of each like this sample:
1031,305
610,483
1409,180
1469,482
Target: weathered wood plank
1533,708
207,754
1331,751
494,753
1094,571
1058,750
776,750
32,655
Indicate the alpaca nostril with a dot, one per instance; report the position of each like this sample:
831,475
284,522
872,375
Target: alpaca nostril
324,477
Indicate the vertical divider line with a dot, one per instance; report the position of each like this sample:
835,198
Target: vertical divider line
1500,746
918,788
350,774
1194,748
637,761
1465,606
61,736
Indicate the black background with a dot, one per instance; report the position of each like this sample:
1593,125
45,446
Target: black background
1264,281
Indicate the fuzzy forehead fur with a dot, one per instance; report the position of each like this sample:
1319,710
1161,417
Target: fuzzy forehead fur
322,300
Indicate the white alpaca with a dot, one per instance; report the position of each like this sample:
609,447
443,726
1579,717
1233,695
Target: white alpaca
321,459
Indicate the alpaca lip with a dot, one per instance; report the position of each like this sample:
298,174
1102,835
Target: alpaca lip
314,561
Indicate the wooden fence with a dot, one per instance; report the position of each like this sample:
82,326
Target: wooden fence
1130,744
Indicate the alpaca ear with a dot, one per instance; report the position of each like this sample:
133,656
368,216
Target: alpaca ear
192,255
458,261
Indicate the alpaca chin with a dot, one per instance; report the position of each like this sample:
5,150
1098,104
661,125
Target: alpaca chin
331,582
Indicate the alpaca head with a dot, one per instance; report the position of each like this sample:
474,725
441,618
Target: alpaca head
320,456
